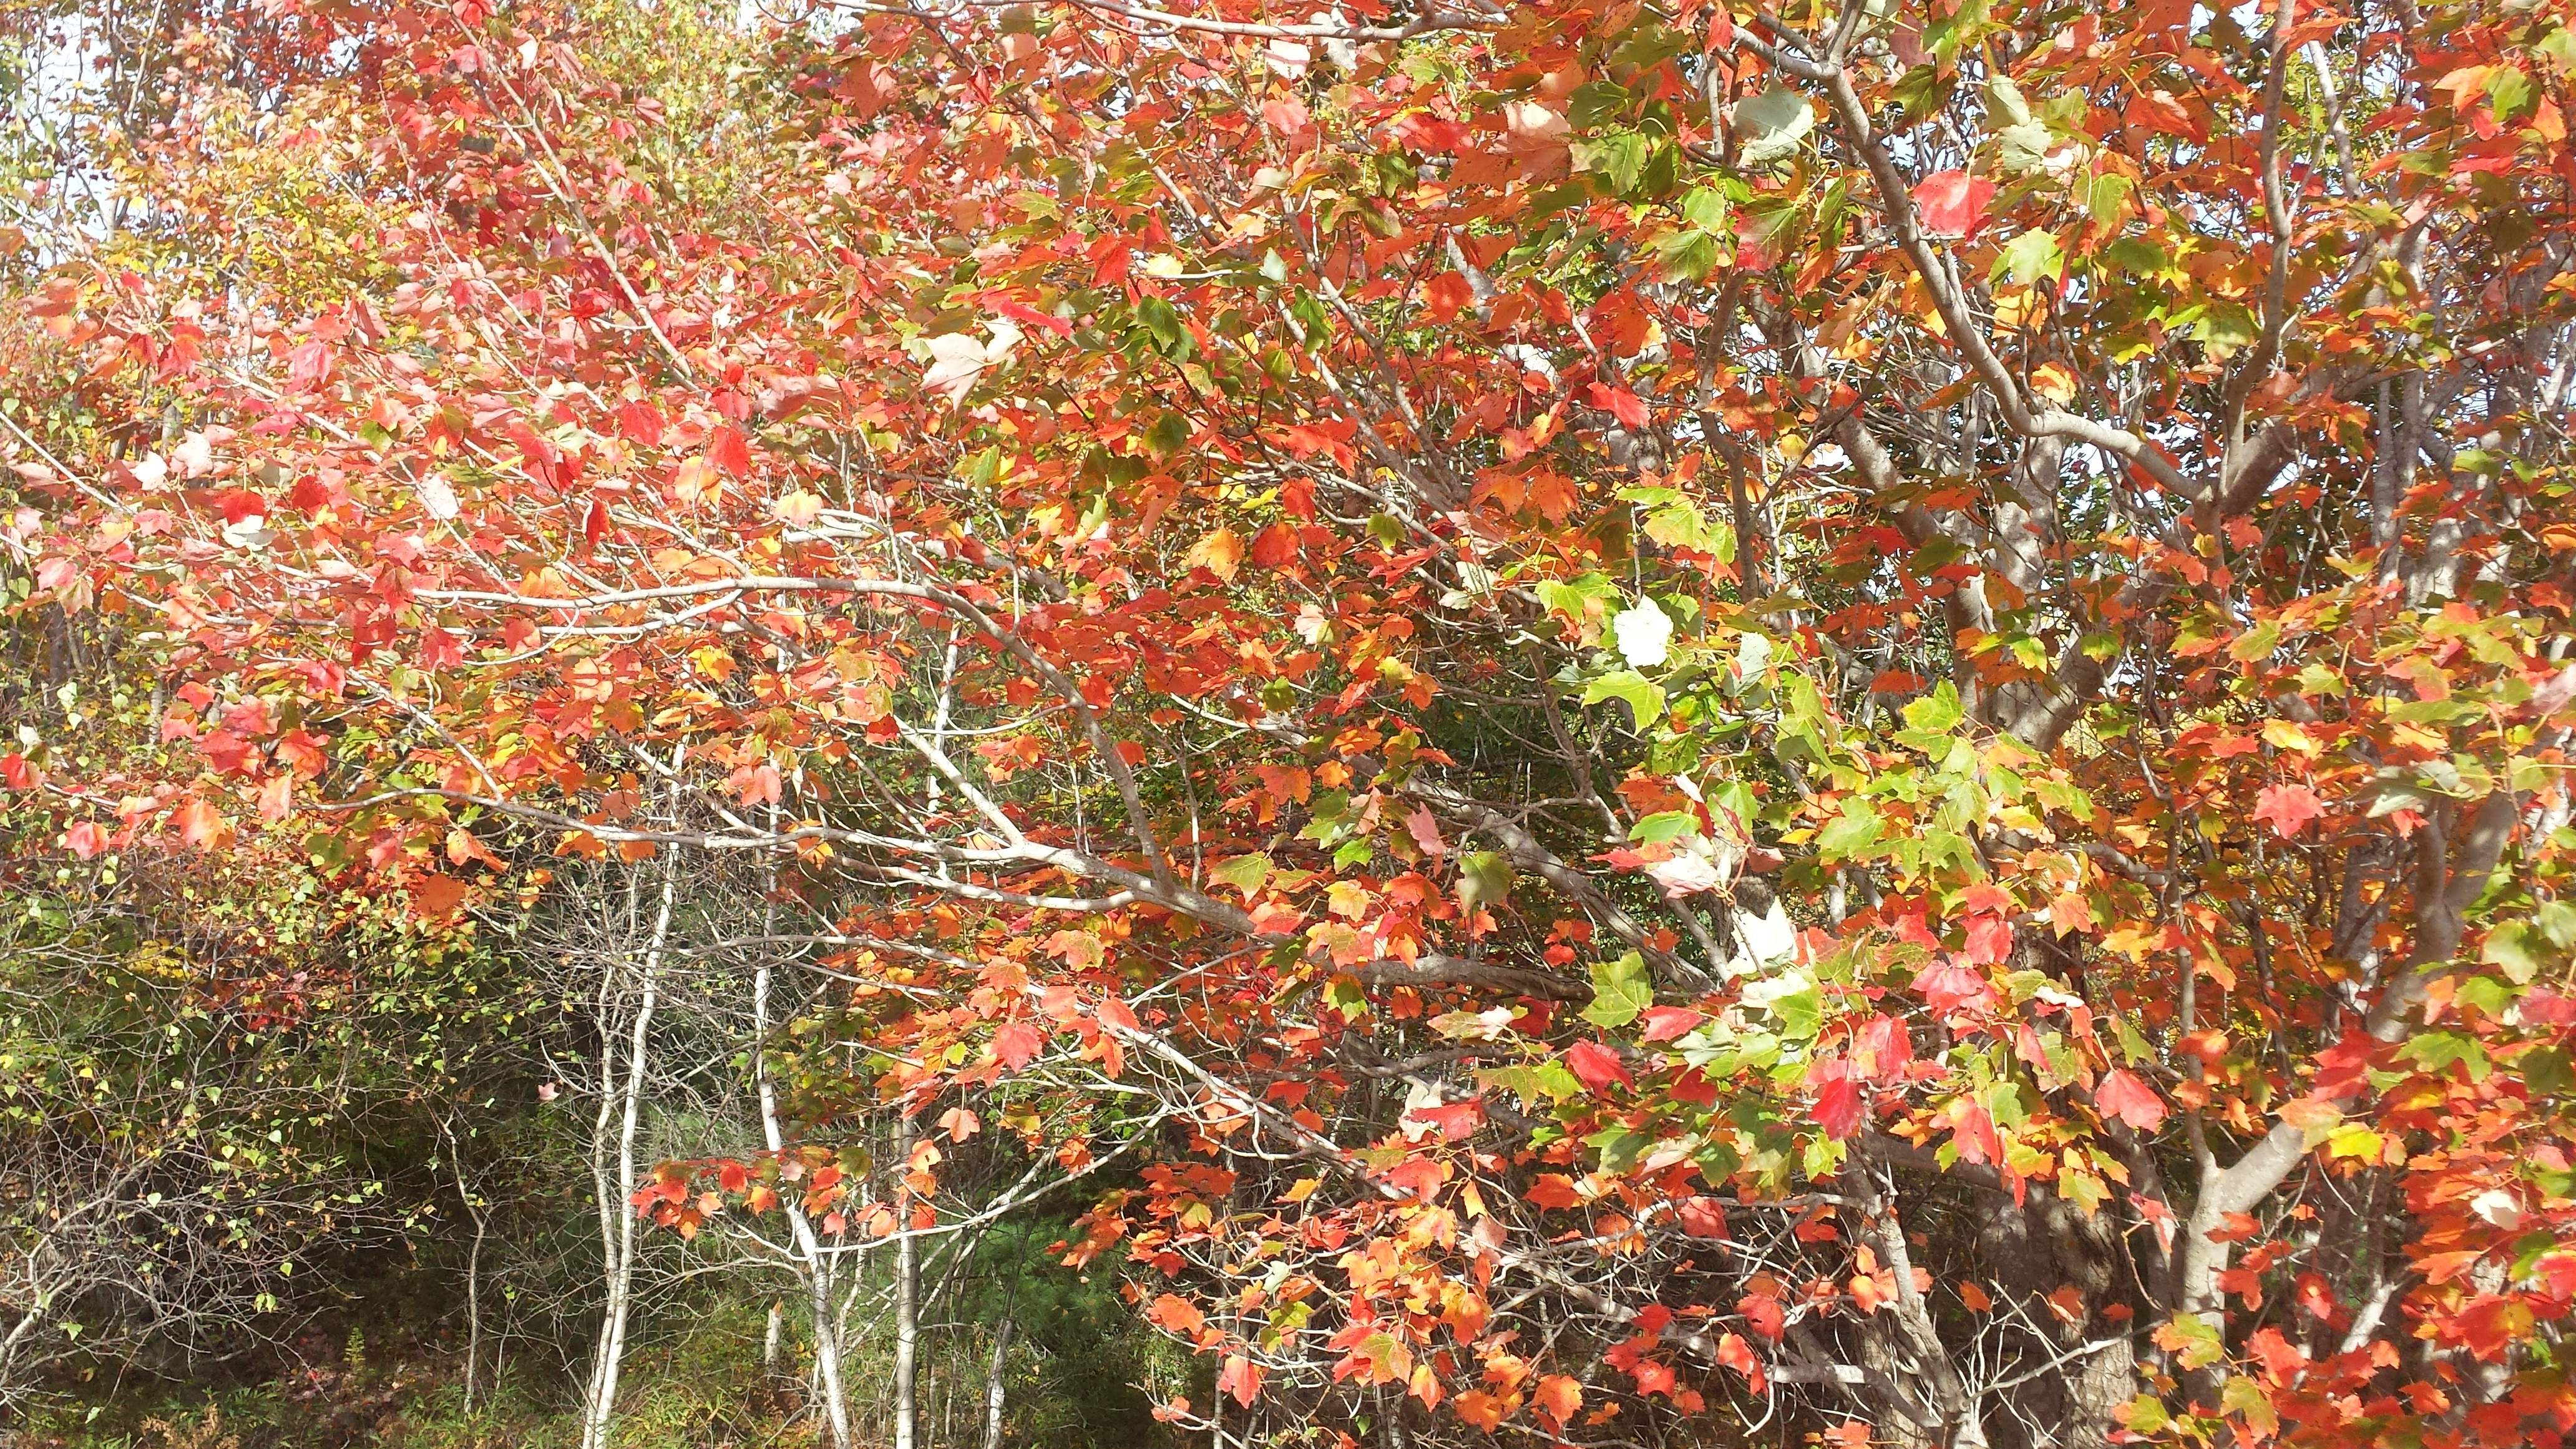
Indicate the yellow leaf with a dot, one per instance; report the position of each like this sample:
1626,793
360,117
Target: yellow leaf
1220,553
695,480
2354,1141
2282,734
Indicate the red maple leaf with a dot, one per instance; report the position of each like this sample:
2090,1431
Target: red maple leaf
1952,202
1838,1107
1240,1377
1018,1044
1619,403
1596,1067
729,450
2123,1096
1738,1355
2288,808
1664,1023
1764,1313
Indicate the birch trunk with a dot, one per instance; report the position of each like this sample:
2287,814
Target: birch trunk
815,1263
600,1409
994,1385
907,1292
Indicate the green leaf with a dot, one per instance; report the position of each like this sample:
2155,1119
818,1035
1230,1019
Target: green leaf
1664,825
2453,711
1619,1147
1936,713
1771,126
2224,327
1618,159
2136,256
1958,30
1169,434
1484,879
1705,207
1923,90
1347,996
2518,949
1686,256
1851,833
2508,91
2145,1415
2245,1397
2029,257
1734,797
2103,196
2487,994
1595,104
2560,46
1559,1081
1801,1014
1246,873
2557,921
1717,1161
1621,990
2004,104
2256,643
2025,146
1644,698
1680,525
2193,1340
2133,1043
2546,1072
2436,1050
1549,1081
1574,597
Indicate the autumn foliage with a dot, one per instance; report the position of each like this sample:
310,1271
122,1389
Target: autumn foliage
1631,723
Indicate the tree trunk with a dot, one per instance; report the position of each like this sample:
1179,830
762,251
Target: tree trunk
907,1291
2046,1244
602,1405
1937,1389
994,1386
473,1268
815,1263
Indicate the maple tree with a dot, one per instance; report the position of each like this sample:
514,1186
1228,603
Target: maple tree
1678,720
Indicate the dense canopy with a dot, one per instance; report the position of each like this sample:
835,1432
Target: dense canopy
1603,723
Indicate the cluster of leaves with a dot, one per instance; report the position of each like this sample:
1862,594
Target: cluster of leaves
1670,710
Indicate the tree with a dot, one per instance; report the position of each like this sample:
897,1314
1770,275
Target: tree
1333,571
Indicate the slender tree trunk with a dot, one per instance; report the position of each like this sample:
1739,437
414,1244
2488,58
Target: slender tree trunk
473,1267
817,1266
994,1385
621,1277
907,1292
817,1270
1937,1385
605,1195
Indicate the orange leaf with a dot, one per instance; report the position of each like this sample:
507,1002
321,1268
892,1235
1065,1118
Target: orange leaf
1479,1408
200,825
1220,553
1175,1314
